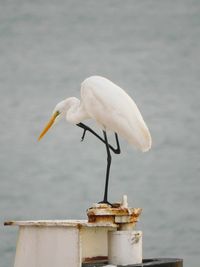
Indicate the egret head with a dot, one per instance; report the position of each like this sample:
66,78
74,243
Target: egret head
58,113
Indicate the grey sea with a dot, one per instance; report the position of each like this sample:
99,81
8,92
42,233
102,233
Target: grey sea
151,49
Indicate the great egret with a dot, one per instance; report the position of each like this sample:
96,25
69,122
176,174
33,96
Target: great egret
112,109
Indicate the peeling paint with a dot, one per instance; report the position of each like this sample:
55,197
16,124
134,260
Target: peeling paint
117,214
60,223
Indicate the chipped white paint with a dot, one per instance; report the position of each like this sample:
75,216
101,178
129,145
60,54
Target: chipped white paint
60,243
47,246
94,242
125,247
59,223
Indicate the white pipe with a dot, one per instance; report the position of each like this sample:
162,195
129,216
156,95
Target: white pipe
124,247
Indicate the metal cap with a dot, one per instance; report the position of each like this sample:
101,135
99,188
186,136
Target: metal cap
119,213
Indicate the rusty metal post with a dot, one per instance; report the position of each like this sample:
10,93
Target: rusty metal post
125,244
73,243
107,237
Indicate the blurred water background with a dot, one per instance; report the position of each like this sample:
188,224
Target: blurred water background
151,49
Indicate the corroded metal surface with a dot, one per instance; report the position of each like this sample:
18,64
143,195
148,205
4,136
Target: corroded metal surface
96,259
117,214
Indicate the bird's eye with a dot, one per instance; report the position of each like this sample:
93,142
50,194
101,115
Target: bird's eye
57,113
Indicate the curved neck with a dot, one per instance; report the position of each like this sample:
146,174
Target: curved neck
76,112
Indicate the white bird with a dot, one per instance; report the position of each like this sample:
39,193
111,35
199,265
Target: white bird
112,109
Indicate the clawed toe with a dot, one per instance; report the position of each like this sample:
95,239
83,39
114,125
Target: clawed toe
83,136
105,202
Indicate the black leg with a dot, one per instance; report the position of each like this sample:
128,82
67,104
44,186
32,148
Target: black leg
109,159
86,128
117,150
105,199
83,136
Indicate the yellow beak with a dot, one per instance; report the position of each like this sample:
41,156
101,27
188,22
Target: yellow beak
48,125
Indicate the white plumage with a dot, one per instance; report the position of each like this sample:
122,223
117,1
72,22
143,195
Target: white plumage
113,109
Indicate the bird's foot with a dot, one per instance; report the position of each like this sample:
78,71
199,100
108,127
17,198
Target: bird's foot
83,136
105,202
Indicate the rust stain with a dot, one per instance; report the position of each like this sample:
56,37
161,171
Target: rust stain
102,219
107,214
96,259
79,226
